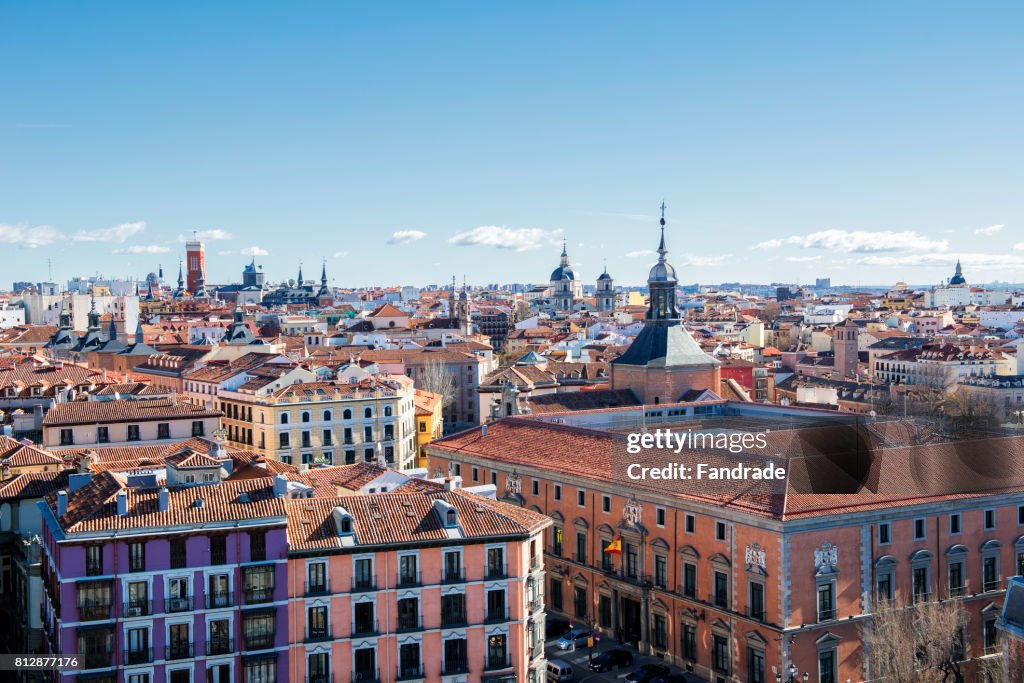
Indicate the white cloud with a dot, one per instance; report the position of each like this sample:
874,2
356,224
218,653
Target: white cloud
641,252
703,261
977,261
802,259
990,230
213,235
406,236
118,233
340,254
31,238
501,237
143,249
859,241
1019,246
254,251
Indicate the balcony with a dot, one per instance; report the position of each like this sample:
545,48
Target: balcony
140,656
408,580
957,591
453,576
364,627
497,571
255,596
922,597
536,604
91,611
138,608
453,618
826,615
366,676
989,586
409,673
259,641
498,664
496,616
408,624
319,634
362,584
97,660
314,588
454,668
217,600
179,651
220,646
185,604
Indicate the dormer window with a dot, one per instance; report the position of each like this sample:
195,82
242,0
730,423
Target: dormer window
342,521
345,525
451,518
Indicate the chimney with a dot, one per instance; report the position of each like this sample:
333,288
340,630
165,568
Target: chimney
62,503
174,397
452,483
122,503
280,486
163,499
483,430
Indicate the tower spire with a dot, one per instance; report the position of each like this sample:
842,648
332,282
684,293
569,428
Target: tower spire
299,281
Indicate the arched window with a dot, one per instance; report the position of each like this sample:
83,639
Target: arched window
367,411
327,416
346,414
387,411
284,418
305,416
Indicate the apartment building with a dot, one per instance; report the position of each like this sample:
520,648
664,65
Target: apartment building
324,422
734,583
432,584
151,585
126,422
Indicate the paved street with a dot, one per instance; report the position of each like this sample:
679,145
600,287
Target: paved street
579,660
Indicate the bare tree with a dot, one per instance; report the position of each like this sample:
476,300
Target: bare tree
921,643
436,378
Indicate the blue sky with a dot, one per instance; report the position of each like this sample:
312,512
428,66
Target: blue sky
870,142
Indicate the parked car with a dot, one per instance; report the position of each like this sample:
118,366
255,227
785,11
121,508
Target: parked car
555,628
577,636
647,673
611,659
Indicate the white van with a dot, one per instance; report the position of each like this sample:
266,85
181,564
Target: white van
560,671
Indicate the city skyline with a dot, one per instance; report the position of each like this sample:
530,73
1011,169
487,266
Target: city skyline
407,145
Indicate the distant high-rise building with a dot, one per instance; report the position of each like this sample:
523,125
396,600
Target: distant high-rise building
823,283
195,262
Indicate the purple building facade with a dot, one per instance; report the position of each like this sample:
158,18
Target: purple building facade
150,585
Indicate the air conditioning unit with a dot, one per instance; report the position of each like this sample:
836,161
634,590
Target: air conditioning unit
134,612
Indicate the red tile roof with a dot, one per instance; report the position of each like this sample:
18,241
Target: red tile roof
91,412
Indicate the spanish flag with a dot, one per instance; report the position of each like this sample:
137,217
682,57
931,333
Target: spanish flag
614,547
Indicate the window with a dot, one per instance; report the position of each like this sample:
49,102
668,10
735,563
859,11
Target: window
67,437
178,557
720,531
757,600
827,666
954,523
720,653
990,520
346,414
1020,514
163,430
453,565
660,571
690,580
367,434
305,416
317,627
883,586
721,596
316,578
93,560
496,605
409,614
455,656
884,533
328,437
284,440
497,652
990,573
453,609
956,578
691,524
257,546
920,529
920,584
632,561
755,665
177,598
218,593
581,547
103,434
475,474
179,644
556,594
556,541
307,439
136,557
258,582
408,573
659,516
284,418
367,412
133,433
495,562
660,632
606,504
218,549
579,602
409,661
198,428
362,570
581,498
558,492
990,636
689,642
826,602
535,487
318,668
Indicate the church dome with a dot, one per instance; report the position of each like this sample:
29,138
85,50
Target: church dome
662,272
563,273
604,276
958,277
